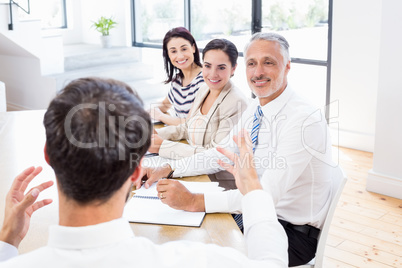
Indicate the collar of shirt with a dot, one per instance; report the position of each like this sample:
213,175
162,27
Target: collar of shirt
272,108
89,236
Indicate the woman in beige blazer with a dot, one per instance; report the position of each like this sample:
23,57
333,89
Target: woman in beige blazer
217,107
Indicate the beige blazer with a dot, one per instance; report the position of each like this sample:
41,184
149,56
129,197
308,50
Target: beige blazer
216,125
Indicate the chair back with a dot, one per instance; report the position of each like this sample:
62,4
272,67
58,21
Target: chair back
338,183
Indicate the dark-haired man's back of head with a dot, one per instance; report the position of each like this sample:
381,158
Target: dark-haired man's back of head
97,132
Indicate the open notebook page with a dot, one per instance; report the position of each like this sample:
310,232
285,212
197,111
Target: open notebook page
146,207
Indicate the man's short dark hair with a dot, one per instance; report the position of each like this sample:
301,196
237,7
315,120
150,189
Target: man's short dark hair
97,131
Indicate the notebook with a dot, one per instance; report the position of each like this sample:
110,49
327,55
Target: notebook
146,207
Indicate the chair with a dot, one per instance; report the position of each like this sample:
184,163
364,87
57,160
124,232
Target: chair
339,180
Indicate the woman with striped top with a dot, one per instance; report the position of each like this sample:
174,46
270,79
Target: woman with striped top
183,69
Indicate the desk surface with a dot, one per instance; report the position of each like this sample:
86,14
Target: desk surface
22,139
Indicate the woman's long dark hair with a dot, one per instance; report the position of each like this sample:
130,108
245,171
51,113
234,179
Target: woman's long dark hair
169,67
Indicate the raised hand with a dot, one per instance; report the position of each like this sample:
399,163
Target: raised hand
20,207
243,168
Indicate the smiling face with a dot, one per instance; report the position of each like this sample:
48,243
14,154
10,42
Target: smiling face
181,53
265,70
217,69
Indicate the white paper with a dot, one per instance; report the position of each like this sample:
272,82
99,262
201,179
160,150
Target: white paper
146,207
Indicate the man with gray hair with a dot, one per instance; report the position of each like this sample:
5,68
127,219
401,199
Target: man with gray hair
291,149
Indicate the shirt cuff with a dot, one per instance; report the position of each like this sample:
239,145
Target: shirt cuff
7,251
258,207
216,202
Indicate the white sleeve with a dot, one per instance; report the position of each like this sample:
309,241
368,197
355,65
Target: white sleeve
197,164
265,237
227,201
266,240
7,251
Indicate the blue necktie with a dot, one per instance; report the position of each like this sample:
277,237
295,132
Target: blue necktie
254,139
256,126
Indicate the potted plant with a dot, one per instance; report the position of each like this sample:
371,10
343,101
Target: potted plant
104,25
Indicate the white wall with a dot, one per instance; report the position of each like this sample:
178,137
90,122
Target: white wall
26,36
355,59
24,58
26,88
73,33
386,175
3,104
37,53
4,15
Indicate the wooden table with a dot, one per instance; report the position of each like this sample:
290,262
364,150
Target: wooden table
22,139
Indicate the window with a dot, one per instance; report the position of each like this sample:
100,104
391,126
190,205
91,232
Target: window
306,24
303,23
154,18
228,19
52,13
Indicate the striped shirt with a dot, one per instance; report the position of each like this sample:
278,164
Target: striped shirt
182,97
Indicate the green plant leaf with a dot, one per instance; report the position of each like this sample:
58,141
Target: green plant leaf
104,25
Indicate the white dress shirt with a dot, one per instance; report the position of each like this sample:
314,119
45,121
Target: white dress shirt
292,158
113,244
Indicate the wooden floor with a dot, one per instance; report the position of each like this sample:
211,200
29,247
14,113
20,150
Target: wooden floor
367,228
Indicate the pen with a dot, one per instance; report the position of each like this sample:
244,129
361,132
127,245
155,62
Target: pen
150,154
170,175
